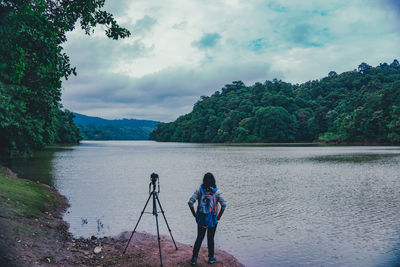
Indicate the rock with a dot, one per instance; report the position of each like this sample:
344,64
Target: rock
97,250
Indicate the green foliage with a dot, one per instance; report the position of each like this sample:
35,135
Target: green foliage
67,131
32,64
355,106
113,132
275,124
394,125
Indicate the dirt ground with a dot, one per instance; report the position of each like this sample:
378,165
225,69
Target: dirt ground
45,241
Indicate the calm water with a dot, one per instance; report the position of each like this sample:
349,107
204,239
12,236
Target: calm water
287,206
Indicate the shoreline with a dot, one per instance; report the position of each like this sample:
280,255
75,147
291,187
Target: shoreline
315,144
40,237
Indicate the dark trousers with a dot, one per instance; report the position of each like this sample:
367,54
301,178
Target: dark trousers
210,241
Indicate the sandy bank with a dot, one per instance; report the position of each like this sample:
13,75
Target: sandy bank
39,237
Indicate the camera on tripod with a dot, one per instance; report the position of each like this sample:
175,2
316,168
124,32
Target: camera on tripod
154,178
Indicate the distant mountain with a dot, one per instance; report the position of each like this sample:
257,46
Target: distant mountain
95,128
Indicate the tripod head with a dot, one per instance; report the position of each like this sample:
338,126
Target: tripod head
154,178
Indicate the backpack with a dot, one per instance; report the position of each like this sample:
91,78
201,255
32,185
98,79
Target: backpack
206,215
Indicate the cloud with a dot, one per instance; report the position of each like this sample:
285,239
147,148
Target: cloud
306,35
300,33
174,89
95,55
180,26
144,25
180,50
258,44
208,40
277,7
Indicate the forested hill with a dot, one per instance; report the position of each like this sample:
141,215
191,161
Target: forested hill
94,128
362,105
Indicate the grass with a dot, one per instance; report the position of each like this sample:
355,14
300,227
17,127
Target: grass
24,198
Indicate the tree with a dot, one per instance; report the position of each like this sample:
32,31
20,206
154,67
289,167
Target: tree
394,125
332,73
395,63
355,106
303,117
363,67
274,124
67,132
32,64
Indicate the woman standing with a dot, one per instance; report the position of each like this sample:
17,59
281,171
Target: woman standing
207,215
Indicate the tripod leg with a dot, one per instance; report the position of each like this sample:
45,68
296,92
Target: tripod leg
165,218
158,231
137,223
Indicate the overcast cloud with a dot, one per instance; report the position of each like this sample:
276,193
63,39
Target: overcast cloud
183,49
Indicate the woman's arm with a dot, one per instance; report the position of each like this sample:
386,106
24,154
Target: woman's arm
192,200
222,202
192,210
220,214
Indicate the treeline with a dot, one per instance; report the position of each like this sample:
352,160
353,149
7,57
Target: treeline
32,65
110,132
94,128
359,106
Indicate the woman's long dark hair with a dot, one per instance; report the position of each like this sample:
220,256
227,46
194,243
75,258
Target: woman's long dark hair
208,181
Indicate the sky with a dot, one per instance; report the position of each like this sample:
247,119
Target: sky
180,50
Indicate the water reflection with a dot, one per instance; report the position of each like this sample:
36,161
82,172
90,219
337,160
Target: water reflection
355,158
38,167
287,206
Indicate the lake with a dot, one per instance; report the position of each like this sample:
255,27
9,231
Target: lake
286,205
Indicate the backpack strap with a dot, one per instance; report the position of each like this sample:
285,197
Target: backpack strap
201,194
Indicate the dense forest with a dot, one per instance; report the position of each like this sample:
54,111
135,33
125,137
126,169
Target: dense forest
94,128
359,106
33,64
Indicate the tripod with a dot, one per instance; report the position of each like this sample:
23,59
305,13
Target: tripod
153,193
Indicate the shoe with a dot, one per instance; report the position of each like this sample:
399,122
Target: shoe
193,261
212,260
